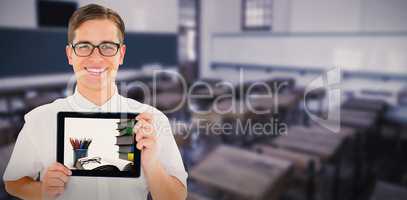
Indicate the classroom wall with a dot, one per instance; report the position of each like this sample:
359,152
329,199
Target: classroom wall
381,53
20,59
21,14
151,25
144,15
347,15
139,15
216,17
361,35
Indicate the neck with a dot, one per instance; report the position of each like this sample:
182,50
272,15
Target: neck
98,97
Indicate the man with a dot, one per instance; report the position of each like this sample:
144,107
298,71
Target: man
95,50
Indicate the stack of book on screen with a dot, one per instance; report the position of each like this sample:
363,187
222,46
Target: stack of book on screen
125,139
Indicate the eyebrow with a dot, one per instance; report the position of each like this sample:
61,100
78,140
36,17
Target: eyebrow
104,41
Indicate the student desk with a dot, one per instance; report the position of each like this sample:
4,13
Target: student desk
322,137
243,173
364,123
167,101
238,116
182,133
282,106
344,132
230,108
315,95
275,102
281,84
306,166
214,91
7,134
300,160
18,86
359,113
357,119
204,118
174,86
378,106
195,196
203,97
51,82
396,117
302,143
388,191
315,142
232,113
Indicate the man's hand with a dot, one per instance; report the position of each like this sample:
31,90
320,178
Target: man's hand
146,140
54,181
160,184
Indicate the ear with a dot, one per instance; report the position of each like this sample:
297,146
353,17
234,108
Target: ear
69,52
122,53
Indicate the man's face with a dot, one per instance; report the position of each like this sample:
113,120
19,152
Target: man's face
96,71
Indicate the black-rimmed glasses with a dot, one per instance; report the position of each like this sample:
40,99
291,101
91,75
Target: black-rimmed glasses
85,49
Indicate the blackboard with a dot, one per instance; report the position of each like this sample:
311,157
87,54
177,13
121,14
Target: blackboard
26,52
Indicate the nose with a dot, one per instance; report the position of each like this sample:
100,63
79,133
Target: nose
96,54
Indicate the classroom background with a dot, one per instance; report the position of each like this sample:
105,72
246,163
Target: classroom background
330,76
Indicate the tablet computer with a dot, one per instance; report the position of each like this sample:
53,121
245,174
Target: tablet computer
98,144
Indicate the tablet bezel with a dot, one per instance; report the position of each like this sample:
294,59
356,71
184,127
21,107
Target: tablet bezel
61,137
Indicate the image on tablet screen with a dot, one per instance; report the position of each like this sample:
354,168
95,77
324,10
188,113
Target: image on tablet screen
99,144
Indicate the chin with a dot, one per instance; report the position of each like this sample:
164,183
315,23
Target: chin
95,84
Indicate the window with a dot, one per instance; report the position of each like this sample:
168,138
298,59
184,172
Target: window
55,13
187,30
188,38
257,15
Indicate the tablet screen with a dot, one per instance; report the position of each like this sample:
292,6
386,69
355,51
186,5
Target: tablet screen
98,144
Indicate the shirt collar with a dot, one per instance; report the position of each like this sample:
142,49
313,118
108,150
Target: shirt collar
81,103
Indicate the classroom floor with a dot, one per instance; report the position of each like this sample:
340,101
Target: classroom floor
387,162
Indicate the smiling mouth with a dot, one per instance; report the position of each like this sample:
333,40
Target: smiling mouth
95,71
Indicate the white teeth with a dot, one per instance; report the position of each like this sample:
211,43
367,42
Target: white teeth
95,70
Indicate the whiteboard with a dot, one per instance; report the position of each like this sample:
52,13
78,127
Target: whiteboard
367,52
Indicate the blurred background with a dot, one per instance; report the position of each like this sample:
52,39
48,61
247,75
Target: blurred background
239,48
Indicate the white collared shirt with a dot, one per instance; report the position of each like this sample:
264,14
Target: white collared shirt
35,149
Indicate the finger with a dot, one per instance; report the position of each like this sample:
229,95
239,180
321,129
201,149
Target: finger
143,124
143,134
58,175
147,126
139,126
145,143
55,191
146,131
146,116
60,170
60,167
55,182
138,134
